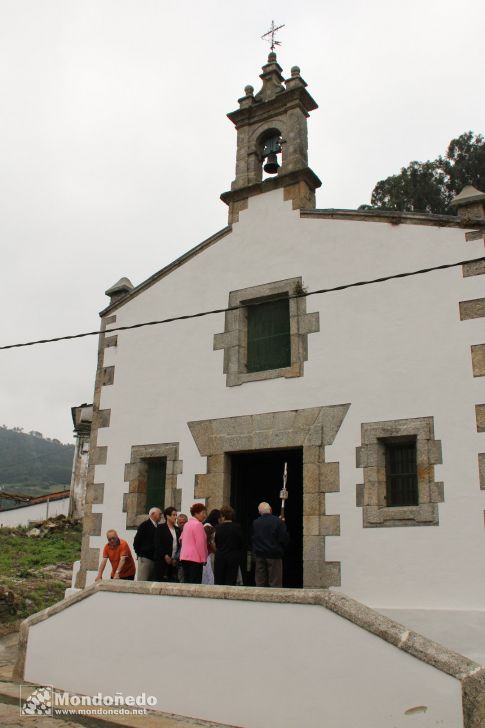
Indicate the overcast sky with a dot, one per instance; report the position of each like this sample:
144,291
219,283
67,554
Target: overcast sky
113,126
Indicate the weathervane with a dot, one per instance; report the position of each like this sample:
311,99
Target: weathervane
271,32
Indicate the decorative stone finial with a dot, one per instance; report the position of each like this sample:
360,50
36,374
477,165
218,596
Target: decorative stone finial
271,78
119,290
295,79
249,90
470,204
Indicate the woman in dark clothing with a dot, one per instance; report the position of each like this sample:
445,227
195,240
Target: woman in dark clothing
168,542
229,548
214,518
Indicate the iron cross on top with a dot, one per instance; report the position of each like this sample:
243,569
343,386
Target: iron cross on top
271,32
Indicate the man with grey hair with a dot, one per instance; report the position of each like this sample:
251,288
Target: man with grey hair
270,538
145,545
118,553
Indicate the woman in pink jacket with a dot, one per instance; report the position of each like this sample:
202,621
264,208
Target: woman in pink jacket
193,554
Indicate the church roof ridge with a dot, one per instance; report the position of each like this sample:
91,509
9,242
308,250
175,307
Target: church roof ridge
168,269
390,216
394,217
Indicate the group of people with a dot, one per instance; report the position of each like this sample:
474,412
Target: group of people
202,549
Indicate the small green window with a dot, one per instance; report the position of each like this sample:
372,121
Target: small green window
269,335
156,470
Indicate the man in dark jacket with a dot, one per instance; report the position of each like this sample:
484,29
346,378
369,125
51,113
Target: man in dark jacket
145,545
270,538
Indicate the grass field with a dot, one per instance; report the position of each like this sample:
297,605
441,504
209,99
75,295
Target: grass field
22,560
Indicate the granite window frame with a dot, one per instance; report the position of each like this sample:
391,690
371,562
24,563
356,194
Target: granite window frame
371,495
233,340
134,501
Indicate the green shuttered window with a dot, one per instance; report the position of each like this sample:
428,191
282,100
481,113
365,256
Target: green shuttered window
156,470
269,336
401,474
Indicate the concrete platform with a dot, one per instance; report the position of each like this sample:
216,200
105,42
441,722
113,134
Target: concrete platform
331,645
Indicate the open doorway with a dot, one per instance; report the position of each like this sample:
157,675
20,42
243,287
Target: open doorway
258,476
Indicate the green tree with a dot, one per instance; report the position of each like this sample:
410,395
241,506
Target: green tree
430,186
464,163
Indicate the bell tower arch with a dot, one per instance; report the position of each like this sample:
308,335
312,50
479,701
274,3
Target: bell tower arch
272,140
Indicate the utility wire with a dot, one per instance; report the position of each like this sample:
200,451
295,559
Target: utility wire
301,294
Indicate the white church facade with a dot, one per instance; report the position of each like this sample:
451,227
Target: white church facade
371,394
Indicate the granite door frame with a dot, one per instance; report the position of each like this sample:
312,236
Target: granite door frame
311,429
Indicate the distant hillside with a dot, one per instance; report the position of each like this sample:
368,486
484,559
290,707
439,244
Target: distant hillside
33,464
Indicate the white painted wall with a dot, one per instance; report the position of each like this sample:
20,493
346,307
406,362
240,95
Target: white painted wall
394,350
38,512
240,663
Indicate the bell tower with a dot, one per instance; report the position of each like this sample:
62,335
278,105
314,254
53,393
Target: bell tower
272,138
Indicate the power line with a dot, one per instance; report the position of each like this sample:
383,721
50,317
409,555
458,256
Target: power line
200,314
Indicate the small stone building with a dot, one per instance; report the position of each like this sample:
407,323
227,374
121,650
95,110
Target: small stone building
372,395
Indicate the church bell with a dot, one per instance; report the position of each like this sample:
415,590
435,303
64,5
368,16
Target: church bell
272,147
271,166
